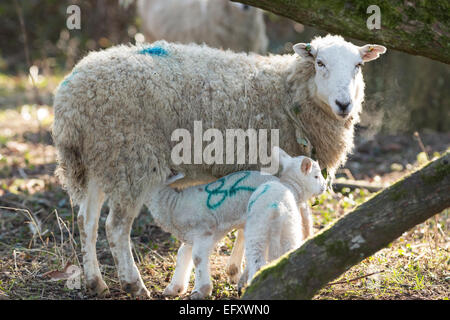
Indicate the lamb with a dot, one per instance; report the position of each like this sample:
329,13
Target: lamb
114,115
200,216
217,23
274,224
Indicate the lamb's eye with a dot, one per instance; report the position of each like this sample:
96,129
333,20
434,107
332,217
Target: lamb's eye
317,177
358,66
320,63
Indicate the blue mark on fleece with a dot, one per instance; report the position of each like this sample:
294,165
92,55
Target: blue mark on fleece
251,203
66,81
217,191
274,205
154,51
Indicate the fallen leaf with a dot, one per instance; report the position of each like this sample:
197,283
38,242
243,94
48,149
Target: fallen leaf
69,271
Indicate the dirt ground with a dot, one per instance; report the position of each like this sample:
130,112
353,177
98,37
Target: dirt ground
38,234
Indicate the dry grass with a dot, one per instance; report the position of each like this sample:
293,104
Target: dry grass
38,233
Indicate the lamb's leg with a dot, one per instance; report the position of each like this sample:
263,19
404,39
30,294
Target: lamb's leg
291,232
180,279
88,217
200,253
118,228
234,266
307,220
257,230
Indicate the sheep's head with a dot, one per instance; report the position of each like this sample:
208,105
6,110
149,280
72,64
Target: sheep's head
338,77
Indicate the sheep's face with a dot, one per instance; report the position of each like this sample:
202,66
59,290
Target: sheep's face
338,78
305,171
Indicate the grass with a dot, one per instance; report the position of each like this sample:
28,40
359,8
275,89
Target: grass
38,231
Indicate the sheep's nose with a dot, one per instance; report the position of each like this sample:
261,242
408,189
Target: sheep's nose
342,105
246,7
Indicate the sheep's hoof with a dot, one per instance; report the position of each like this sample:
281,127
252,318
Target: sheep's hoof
136,290
233,274
97,287
174,290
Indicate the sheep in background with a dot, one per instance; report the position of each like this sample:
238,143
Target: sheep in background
217,23
116,111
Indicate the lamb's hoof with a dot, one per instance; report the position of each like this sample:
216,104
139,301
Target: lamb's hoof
204,291
196,296
136,290
173,290
233,274
97,287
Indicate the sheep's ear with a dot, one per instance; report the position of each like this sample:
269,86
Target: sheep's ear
371,52
305,50
306,166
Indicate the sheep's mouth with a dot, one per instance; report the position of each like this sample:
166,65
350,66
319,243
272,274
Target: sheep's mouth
343,115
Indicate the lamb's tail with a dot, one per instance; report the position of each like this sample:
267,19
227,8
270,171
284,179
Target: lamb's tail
71,170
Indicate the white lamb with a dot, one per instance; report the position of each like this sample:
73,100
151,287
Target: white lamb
200,216
217,23
274,224
116,111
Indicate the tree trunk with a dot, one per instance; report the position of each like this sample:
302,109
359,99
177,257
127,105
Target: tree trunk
356,236
420,27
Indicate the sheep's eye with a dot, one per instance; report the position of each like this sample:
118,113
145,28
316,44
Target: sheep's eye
358,66
320,63
317,177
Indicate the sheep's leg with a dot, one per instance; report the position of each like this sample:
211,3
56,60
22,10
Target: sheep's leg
88,217
118,228
180,280
200,252
242,281
234,266
307,220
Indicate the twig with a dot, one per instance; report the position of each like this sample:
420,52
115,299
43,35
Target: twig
354,279
421,145
27,52
353,184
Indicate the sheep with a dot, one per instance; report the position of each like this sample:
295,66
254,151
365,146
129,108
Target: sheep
274,224
200,216
114,115
217,23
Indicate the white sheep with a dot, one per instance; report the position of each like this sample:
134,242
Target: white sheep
200,216
274,224
217,23
114,115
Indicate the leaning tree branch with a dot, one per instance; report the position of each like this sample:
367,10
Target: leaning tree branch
356,236
420,27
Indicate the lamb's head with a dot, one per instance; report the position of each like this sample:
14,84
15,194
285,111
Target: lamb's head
338,80
303,170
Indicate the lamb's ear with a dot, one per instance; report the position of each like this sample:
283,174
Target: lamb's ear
305,50
306,166
278,155
371,52
174,178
